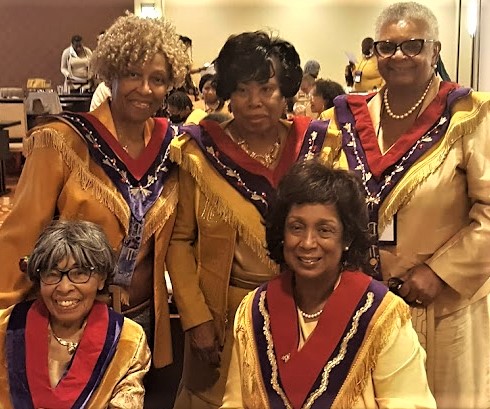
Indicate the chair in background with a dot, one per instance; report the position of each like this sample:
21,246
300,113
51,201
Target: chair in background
13,109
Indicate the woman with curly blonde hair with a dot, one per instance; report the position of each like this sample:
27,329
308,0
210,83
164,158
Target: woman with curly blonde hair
111,167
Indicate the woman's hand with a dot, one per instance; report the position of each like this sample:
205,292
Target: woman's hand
421,285
204,342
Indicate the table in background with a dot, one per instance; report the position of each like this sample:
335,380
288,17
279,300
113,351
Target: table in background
4,150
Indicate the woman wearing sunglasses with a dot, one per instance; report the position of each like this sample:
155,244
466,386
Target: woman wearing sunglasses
420,146
67,349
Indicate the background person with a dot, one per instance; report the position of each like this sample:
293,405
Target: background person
207,86
110,167
66,334
365,74
227,175
181,110
421,147
323,94
75,61
323,318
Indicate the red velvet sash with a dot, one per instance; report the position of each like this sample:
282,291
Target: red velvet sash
65,394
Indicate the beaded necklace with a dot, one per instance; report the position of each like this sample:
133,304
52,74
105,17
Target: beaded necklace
410,111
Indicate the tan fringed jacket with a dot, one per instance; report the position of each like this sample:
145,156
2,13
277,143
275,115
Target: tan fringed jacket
60,179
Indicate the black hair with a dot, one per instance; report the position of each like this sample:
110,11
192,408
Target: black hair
179,100
311,182
76,38
328,90
250,56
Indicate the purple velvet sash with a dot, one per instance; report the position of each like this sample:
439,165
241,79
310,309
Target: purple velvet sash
254,187
16,359
338,373
140,195
377,189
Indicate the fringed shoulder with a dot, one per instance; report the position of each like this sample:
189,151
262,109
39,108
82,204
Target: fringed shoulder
468,114
223,198
391,315
76,157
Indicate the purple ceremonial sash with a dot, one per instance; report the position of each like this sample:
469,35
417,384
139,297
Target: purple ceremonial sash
139,191
16,357
276,391
253,181
379,184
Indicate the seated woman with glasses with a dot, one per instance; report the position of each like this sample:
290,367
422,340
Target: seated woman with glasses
323,334
66,349
421,147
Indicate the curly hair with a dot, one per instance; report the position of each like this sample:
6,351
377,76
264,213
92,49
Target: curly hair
311,182
249,56
135,40
84,241
328,90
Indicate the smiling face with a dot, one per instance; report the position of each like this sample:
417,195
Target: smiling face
137,95
401,70
258,106
313,241
69,303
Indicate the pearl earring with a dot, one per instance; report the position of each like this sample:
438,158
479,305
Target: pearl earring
346,248
435,66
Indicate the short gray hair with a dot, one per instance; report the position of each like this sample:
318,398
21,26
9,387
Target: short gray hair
84,241
409,10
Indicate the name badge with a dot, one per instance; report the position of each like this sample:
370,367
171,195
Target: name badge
357,76
388,236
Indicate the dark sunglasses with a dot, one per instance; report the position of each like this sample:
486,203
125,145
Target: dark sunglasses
410,48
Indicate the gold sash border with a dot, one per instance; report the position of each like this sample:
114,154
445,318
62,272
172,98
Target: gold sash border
385,320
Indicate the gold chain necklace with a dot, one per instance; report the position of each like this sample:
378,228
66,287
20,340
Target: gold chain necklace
70,346
267,159
413,108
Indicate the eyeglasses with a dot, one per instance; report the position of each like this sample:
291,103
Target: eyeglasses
410,48
77,275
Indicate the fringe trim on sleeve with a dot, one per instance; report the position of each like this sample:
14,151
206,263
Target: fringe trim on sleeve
462,123
252,233
385,323
163,208
106,195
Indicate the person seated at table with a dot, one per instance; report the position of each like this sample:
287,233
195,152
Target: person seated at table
66,349
323,333
75,61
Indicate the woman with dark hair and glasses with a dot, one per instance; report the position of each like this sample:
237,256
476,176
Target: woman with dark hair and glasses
67,349
323,334
228,173
421,147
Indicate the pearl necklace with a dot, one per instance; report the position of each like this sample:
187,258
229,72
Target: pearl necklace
70,346
310,316
413,108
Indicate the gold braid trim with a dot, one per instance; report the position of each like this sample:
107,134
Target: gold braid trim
468,114
193,163
256,396
51,138
382,325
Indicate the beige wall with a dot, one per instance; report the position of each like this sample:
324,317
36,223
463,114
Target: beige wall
319,29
